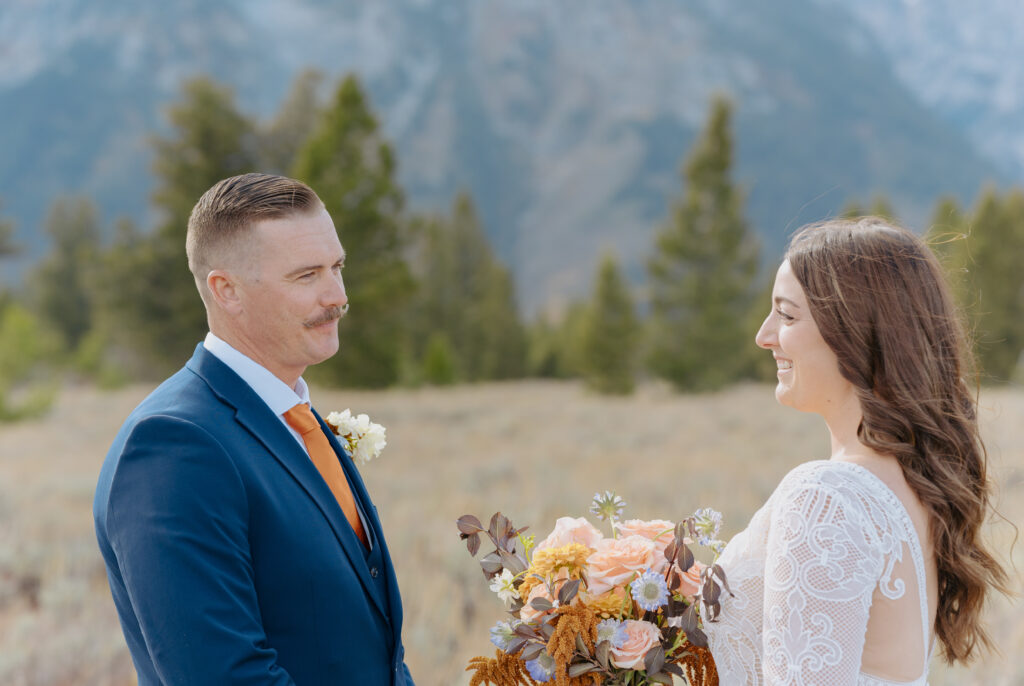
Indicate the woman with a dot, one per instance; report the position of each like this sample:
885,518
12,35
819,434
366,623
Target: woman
858,565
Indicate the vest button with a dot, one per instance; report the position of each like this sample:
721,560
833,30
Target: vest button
373,572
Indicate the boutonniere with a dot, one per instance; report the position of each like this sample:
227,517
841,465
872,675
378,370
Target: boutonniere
364,439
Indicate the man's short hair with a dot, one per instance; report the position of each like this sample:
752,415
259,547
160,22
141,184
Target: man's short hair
222,217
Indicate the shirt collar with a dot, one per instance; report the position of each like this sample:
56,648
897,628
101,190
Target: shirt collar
274,392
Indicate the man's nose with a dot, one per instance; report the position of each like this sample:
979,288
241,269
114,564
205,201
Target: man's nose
335,295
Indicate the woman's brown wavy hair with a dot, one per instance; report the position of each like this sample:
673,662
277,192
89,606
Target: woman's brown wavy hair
882,303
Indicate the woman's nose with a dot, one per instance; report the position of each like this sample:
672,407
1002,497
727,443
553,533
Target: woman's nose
767,335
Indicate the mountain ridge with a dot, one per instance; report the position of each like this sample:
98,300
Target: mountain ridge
567,123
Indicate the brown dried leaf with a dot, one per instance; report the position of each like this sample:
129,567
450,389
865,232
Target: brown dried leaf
720,573
468,524
568,591
491,564
654,660
473,544
541,604
603,648
580,668
684,558
531,651
697,638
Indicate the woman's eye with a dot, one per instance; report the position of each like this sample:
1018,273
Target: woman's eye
785,317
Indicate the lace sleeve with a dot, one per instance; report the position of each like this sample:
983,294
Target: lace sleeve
822,566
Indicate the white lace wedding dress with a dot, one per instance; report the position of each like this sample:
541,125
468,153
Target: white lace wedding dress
831,538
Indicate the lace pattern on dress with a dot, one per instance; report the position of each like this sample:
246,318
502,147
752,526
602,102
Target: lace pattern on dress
803,574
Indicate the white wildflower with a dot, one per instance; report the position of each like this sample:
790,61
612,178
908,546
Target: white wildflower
502,585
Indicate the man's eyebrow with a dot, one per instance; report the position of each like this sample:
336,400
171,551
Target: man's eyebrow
314,267
779,299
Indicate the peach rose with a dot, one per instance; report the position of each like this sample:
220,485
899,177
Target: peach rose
661,531
691,580
640,637
571,530
527,613
616,560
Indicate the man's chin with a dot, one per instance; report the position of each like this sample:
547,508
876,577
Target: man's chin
328,351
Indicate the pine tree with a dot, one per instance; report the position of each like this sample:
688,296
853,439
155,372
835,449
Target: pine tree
946,234
610,333
504,337
347,162
703,273
948,225
468,295
439,367
571,336
880,207
992,291
8,248
762,366
147,285
61,285
1013,286
283,136
28,349
7,245
543,349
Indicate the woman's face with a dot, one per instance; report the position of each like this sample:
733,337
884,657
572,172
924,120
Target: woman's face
808,370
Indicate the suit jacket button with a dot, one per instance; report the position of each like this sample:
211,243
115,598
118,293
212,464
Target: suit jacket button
373,572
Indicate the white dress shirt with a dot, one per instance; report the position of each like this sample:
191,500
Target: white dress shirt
271,390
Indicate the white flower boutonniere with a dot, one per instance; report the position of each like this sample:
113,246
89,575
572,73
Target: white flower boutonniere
364,438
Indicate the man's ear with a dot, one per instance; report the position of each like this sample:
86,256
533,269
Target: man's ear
224,290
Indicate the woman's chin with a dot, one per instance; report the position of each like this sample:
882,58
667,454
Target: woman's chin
783,396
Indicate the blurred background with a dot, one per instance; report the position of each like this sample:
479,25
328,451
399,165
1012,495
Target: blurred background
562,222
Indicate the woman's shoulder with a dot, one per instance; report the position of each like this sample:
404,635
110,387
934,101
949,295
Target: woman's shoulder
833,474
838,485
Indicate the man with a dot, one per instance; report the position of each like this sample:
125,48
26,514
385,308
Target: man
241,545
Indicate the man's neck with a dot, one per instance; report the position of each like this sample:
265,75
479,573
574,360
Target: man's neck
241,345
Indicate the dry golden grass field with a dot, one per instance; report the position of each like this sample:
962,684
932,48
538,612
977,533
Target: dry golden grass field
535,450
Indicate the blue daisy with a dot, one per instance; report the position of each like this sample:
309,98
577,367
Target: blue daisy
650,591
503,633
541,668
708,522
613,631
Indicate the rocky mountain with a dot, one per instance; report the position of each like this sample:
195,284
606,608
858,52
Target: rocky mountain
567,121
964,62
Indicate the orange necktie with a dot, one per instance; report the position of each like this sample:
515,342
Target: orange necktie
302,420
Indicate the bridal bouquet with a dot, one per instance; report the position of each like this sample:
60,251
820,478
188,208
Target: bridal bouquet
590,610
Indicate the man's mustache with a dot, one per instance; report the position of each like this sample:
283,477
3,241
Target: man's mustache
329,315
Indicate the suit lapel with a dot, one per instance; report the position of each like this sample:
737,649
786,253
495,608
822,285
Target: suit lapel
355,480
254,415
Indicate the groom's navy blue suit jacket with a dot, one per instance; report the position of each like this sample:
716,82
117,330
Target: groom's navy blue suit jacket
229,559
